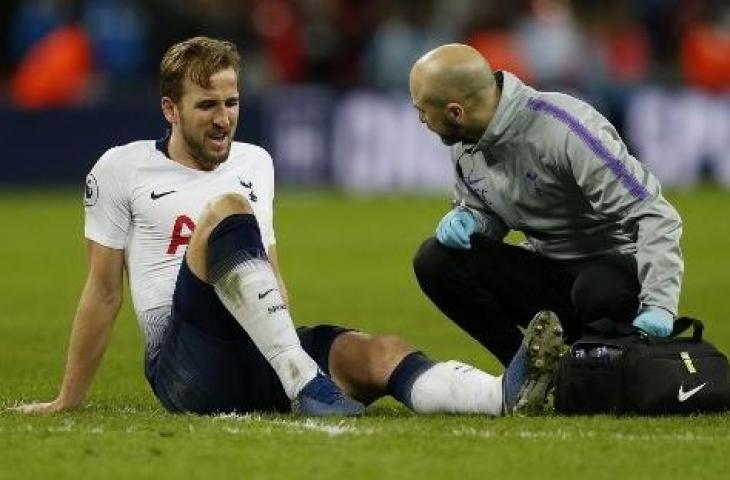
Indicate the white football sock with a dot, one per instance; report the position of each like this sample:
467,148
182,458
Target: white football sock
455,387
251,293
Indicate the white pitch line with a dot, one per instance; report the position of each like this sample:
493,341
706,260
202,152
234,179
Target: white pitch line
343,427
568,435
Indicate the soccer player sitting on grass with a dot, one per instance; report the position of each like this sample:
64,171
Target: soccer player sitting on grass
190,218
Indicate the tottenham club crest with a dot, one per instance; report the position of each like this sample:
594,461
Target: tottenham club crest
91,191
248,186
534,184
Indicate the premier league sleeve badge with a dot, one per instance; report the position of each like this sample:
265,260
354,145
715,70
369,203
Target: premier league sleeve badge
91,191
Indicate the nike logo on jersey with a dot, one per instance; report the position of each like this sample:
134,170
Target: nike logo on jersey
263,294
683,396
155,196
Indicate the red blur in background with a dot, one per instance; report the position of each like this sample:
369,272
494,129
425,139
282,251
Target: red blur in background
55,72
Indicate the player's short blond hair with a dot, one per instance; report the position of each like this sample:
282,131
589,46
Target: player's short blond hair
197,59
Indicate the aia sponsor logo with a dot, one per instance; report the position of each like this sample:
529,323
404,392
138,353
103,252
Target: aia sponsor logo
182,232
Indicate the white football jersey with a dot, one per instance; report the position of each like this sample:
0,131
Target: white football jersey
140,201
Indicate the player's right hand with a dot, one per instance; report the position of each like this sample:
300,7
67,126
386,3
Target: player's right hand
40,407
455,228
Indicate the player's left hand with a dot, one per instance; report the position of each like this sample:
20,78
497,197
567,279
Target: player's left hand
40,407
655,321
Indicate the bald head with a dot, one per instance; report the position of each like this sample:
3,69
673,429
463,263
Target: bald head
454,90
451,73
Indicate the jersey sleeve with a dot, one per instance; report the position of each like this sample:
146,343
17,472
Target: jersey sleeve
107,202
622,189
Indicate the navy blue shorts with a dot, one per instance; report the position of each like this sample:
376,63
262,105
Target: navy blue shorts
208,364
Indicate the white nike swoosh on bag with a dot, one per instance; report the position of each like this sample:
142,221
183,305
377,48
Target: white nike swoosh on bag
683,396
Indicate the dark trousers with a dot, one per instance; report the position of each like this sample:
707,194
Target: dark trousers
493,287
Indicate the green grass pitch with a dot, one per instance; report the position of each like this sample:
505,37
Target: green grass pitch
346,260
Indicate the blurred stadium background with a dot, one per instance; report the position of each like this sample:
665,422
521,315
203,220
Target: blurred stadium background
325,81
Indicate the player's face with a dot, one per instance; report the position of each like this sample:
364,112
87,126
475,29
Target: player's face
209,116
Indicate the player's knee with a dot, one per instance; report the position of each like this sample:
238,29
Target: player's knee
227,234
594,296
384,354
430,260
224,206
586,293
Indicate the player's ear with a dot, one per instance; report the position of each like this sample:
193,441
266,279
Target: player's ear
169,110
455,112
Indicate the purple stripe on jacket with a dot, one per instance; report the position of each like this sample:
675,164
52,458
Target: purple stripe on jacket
631,183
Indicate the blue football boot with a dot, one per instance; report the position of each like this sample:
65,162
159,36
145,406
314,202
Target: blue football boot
320,397
530,376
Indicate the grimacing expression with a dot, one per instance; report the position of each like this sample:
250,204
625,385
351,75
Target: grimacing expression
208,117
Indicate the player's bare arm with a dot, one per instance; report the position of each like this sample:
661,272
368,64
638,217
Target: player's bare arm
98,306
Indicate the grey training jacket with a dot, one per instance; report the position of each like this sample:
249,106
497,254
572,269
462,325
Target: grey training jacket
551,166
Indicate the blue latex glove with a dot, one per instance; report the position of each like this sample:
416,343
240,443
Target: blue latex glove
455,228
655,321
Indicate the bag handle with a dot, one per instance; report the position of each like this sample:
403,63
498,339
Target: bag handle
608,328
683,323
